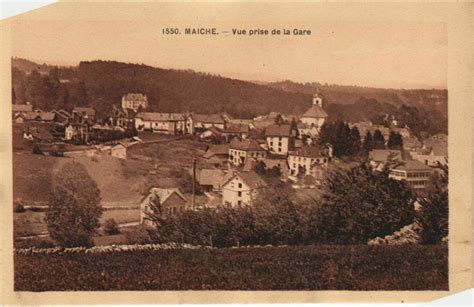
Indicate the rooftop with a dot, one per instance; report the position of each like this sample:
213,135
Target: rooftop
245,145
413,165
382,155
278,130
208,118
160,117
315,112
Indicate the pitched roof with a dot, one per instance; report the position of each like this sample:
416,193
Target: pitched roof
315,112
278,130
310,151
164,194
135,97
381,155
245,145
46,116
160,117
215,177
22,107
218,149
237,128
84,110
413,165
252,179
208,118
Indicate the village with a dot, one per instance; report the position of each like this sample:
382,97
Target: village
224,161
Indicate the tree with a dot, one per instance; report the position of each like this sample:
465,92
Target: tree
379,140
359,205
279,119
433,214
260,168
111,227
355,140
395,141
368,143
74,206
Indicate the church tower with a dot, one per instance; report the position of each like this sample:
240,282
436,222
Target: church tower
318,100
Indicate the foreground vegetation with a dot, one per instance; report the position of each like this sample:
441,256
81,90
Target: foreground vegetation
408,267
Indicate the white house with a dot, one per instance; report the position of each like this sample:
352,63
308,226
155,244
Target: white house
242,150
169,123
315,116
242,188
134,100
280,138
204,121
415,173
309,160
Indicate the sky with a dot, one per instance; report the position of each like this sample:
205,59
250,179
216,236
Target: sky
346,46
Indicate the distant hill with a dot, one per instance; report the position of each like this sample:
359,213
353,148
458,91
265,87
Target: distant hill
102,84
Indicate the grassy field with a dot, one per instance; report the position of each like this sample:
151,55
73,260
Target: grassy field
362,267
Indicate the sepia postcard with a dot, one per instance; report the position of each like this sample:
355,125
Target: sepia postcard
227,152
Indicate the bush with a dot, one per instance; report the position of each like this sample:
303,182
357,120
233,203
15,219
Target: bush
19,208
111,227
37,150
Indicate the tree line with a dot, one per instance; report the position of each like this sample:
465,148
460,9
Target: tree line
357,205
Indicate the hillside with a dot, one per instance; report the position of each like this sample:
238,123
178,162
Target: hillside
102,84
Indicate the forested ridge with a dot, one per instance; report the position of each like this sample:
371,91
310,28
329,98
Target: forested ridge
101,84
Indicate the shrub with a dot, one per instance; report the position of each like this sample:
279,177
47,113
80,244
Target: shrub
19,208
111,227
37,150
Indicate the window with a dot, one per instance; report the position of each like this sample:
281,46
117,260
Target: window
279,149
239,194
239,202
240,185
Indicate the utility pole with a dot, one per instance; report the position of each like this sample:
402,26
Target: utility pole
194,184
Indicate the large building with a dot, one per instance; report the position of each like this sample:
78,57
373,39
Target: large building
242,150
168,123
415,173
242,189
280,138
134,100
309,160
315,116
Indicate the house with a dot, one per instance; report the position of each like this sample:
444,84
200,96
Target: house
242,188
85,112
169,123
79,127
122,117
19,110
232,130
204,121
211,133
315,116
62,116
134,101
171,201
309,160
38,133
39,116
212,179
435,155
238,121
119,150
379,157
415,173
280,138
241,150
217,155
